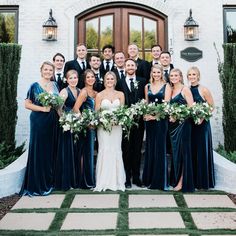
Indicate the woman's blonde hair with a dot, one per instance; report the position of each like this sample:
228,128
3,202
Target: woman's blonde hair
180,74
47,63
112,74
71,72
159,67
194,68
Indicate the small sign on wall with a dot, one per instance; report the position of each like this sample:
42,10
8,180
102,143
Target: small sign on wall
191,54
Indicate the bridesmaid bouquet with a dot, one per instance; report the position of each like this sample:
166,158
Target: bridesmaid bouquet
50,99
178,111
201,111
138,109
157,110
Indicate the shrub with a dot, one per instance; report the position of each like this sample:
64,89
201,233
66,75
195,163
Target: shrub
231,156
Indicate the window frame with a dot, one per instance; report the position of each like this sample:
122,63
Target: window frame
12,9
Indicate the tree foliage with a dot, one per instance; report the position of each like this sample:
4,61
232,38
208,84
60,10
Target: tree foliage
228,80
9,70
7,28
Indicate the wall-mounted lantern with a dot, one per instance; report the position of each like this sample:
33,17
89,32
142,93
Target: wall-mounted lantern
191,31
50,28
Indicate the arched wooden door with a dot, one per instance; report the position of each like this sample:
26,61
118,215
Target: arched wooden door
120,25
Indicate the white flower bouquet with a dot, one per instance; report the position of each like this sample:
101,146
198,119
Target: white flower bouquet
50,99
201,111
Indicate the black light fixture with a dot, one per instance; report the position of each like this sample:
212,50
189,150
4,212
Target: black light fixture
191,31
50,28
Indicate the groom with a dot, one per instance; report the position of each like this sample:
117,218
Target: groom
133,88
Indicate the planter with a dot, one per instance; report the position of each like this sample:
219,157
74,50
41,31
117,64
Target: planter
225,172
11,177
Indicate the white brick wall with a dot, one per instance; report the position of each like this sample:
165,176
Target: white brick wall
32,14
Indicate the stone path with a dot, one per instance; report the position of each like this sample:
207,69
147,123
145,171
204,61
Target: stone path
135,212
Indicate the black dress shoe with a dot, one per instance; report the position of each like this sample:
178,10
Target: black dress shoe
128,184
138,183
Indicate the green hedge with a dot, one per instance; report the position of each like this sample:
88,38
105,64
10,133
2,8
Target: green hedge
228,80
9,70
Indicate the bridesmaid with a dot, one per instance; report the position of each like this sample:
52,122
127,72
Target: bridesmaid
42,144
202,151
85,145
65,176
155,164
180,135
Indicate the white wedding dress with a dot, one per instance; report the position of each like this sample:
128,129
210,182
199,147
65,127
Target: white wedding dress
110,173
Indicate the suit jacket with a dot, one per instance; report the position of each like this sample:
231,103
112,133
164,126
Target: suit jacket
99,83
74,65
103,69
60,83
167,78
117,74
131,97
143,69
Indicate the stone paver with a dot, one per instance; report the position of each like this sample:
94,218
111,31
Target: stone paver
96,201
214,220
26,221
50,201
145,201
204,200
162,235
145,220
90,221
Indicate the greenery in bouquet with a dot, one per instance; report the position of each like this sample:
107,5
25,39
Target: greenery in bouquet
125,118
201,111
106,119
156,109
178,112
138,109
50,99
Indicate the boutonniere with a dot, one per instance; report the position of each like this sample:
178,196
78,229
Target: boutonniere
136,84
64,80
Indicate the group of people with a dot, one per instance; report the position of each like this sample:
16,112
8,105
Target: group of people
62,160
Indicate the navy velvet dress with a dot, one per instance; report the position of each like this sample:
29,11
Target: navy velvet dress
65,173
85,156
202,151
155,163
180,135
42,147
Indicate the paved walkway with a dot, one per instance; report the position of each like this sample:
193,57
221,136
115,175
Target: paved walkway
134,212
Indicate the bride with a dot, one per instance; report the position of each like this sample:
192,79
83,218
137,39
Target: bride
110,173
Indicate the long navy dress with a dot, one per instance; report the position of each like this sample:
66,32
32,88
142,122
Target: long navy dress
180,135
65,173
85,157
155,163
42,147
202,151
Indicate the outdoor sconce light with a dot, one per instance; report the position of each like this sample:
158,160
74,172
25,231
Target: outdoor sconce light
50,28
191,32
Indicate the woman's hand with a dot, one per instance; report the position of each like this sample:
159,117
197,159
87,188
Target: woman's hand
172,119
149,117
46,109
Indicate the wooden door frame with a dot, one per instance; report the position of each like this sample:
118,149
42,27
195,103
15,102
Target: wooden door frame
127,8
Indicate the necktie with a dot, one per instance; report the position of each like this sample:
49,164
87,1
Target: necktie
58,77
166,75
97,78
83,65
107,66
122,76
131,84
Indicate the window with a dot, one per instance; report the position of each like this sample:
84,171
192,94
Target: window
8,24
230,24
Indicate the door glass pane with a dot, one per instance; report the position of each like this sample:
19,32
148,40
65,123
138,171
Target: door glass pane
231,26
8,27
148,56
92,34
135,30
150,33
106,33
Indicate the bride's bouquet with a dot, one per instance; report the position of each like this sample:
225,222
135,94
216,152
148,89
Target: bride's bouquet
201,111
50,99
